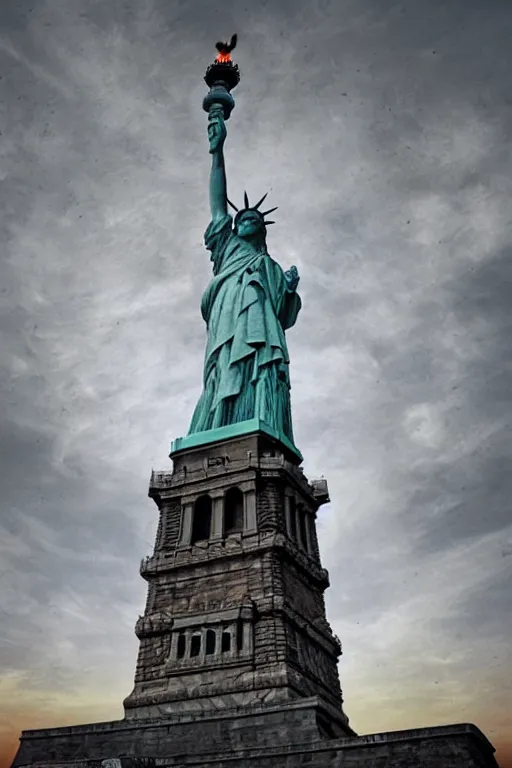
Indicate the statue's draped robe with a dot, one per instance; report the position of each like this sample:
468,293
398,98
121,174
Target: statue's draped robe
247,307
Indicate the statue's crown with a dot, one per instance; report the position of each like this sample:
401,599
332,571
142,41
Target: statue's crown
248,207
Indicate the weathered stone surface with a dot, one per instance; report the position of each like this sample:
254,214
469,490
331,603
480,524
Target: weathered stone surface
232,620
283,737
237,663
252,725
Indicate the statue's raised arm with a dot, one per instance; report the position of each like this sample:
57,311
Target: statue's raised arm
216,137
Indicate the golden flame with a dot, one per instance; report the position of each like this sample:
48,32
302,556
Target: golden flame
223,58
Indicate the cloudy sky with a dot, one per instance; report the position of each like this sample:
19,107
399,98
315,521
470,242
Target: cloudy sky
382,131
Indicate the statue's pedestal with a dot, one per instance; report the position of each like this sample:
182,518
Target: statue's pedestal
225,434
235,614
285,736
237,665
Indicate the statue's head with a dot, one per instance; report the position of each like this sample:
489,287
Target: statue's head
250,222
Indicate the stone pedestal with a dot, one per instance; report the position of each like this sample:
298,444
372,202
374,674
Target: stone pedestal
235,615
237,663
263,738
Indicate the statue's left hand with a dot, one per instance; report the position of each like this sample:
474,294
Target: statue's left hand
216,131
292,278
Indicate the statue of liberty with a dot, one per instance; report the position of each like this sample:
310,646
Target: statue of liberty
247,307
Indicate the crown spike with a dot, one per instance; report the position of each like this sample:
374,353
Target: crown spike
260,202
246,200
232,204
264,213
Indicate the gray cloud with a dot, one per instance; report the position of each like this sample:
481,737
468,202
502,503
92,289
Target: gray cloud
382,132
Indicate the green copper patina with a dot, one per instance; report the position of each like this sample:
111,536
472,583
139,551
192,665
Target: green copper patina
219,435
247,307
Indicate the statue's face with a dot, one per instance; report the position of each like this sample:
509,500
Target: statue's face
249,224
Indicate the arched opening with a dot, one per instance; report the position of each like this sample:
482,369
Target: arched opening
210,642
233,511
195,644
226,641
293,518
181,645
312,535
302,527
239,635
202,519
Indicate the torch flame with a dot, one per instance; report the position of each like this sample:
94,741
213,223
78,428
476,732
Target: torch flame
223,58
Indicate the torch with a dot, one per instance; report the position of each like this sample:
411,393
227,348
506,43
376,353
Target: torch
222,76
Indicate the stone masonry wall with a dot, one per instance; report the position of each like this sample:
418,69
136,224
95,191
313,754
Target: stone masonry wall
284,739
221,586
193,590
165,738
303,598
171,512
315,549
270,511
455,752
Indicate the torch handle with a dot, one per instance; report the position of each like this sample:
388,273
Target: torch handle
215,110
216,128
219,97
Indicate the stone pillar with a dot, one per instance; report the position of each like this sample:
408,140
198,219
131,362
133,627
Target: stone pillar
218,641
232,631
188,640
247,637
187,512
250,525
313,537
307,526
173,653
160,532
202,652
298,513
217,529
288,515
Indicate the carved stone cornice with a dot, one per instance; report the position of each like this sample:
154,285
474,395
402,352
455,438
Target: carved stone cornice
153,624
169,484
233,546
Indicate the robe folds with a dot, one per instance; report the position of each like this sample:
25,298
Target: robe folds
247,308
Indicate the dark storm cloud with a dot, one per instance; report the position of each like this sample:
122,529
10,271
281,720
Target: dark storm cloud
382,131
474,486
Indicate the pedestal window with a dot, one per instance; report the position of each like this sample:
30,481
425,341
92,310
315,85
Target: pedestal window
181,645
195,644
233,511
226,641
202,519
210,642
